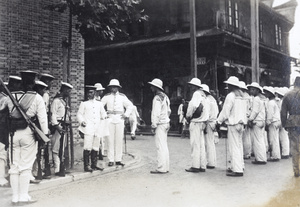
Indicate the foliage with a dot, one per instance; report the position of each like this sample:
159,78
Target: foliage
102,20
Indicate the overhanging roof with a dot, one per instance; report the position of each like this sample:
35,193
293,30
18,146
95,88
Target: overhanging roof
166,38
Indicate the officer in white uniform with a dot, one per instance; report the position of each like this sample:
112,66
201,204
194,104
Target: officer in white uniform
273,124
59,111
234,114
24,145
256,122
115,103
160,124
211,128
197,126
89,115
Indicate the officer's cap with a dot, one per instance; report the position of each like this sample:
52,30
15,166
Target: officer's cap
41,83
90,87
46,76
28,75
14,78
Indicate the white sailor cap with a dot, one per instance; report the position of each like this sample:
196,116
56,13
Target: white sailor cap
68,85
5,83
14,77
41,83
46,76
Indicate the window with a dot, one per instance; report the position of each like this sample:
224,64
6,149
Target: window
278,35
233,14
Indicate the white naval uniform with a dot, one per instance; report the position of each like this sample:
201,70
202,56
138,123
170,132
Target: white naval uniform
247,141
115,104
92,113
24,145
273,123
258,116
161,122
197,126
57,109
234,114
133,120
283,135
210,129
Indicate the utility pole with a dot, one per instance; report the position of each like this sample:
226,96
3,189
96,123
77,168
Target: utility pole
255,40
193,40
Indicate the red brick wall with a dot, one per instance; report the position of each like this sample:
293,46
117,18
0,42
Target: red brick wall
31,38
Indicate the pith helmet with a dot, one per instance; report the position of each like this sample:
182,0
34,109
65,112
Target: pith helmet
99,87
232,80
114,82
243,85
205,88
157,83
270,89
255,85
195,82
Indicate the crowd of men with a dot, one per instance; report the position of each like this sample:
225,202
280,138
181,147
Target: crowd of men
256,119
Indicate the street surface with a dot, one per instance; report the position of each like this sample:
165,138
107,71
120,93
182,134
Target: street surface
261,186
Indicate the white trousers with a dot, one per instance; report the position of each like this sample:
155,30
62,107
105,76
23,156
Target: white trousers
259,146
197,142
284,141
235,147
273,135
161,136
115,142
24,154
3,161
210,146
133,126
91,142
247,143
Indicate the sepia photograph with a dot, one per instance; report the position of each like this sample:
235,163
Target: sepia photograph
150,103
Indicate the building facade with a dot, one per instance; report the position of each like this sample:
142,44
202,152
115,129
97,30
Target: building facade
161,48
31,38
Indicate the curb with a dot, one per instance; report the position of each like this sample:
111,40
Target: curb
77,176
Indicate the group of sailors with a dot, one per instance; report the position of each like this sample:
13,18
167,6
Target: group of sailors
252,116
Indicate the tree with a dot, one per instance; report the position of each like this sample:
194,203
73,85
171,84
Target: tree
101,20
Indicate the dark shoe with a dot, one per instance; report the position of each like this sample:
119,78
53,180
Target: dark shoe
193,169
35,181
47,177
110,164
120,163
229,170
98,168
247,157
133,137
60,174
273,160
259,162
88,169
252,154
14,203
157,172
285,157
234,174
210,167
296,175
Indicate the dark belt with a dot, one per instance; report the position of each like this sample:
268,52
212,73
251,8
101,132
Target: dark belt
114,112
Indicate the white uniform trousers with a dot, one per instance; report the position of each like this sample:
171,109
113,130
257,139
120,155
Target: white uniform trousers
3,159
266,140
259,146
91,142
115,142
235,147
24,154
133,126
55,144
197,142
284,141
161,137
247,143
273,135
210,146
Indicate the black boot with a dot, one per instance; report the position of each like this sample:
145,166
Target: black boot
94,158
100,155
86,161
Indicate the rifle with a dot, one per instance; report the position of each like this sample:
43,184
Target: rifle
39,134
39,159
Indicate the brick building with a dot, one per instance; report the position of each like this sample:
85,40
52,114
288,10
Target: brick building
31,39
161,48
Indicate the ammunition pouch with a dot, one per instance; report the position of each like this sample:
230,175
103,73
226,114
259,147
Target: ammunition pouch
17,123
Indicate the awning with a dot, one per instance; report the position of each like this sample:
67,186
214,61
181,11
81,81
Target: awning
166,38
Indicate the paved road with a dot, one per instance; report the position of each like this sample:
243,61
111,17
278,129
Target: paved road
267,185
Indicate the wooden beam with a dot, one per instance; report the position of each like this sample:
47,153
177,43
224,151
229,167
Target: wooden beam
255,41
